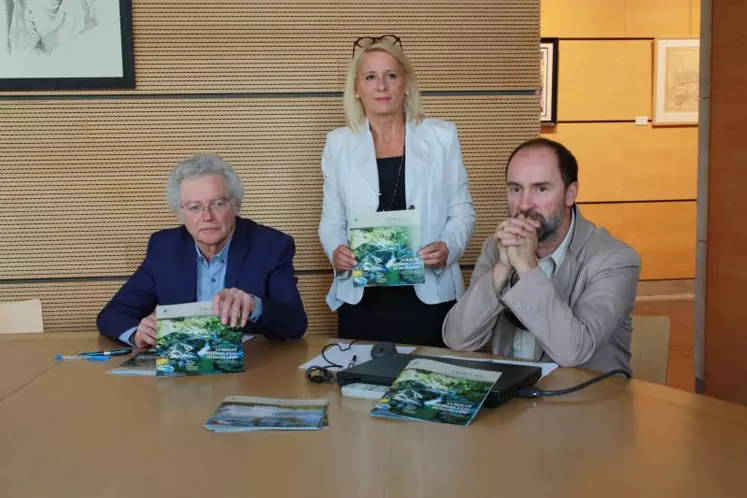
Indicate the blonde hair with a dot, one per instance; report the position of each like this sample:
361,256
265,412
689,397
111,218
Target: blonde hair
354,111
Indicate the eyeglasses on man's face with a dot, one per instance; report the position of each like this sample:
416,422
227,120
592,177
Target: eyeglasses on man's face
217,206
366,41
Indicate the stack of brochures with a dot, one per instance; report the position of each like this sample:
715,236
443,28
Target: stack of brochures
249,413
144,363
432,391
385,245
140,364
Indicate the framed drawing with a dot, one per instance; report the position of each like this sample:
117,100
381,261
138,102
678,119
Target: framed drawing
548,81
66,44
676,72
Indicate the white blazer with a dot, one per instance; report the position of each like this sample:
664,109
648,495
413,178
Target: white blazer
435,185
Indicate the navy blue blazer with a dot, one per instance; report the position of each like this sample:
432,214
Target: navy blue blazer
260,262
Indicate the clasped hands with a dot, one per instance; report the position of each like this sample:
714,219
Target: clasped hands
434,255
517,247
234,306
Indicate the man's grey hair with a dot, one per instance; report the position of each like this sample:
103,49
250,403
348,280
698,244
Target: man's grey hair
197,167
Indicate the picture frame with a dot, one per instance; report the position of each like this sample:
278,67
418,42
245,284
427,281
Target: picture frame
676,81
548,91
66,45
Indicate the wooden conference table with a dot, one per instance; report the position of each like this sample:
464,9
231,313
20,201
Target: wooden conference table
71,430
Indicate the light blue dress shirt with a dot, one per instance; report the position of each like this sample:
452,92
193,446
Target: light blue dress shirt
211,278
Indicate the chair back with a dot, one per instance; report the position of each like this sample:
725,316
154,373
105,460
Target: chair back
649,346
20,317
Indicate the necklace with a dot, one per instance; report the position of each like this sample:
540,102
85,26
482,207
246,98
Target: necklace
396,184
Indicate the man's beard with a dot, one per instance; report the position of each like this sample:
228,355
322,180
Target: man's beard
548,226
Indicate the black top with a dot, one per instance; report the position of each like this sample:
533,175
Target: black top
389,168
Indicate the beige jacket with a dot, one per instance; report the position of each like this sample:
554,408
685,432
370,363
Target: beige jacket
582,317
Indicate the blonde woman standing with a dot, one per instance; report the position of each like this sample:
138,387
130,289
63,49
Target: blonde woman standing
389,157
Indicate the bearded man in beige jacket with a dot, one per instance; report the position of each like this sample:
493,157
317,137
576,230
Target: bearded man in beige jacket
549,285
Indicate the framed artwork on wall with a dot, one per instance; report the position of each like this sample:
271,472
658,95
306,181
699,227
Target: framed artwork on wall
66,45
676,80
548,91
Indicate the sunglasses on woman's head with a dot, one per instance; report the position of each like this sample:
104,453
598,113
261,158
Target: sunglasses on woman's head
366,41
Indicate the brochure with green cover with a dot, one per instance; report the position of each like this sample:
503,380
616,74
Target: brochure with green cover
385,245
192,341
432,391
250,413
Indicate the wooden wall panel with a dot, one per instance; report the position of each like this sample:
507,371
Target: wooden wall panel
619,18
625,162
661,18
583,18
83,201
234,45
604,80
313,289
663,233
726,276
695,18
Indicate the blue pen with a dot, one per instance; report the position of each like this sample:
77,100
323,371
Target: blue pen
113,352
100,357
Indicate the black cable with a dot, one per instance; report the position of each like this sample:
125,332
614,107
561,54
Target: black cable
322,374
325,348
534,392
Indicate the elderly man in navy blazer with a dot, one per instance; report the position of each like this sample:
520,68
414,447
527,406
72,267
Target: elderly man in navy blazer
246,269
